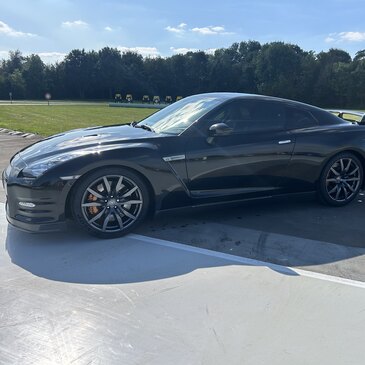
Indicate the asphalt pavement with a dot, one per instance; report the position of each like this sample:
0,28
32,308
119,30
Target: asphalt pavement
295,231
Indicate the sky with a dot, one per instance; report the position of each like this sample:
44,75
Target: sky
52,28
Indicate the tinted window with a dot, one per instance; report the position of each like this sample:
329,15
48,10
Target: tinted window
297,118
177,117
326,118
250,116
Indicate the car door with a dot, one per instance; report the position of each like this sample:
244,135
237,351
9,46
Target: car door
310,148
251,160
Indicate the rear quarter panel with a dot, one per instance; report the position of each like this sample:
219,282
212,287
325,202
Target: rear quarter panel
314,147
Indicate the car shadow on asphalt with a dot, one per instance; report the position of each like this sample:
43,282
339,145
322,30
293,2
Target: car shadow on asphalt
74,257
249,230
299,215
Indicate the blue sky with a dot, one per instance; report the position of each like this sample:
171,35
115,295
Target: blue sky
52,28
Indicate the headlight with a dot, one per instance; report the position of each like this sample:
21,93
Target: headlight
38,168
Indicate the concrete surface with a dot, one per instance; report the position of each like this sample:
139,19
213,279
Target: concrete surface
71,299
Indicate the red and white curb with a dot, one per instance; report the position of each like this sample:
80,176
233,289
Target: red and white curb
17,133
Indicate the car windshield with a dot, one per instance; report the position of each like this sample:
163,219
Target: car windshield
175,118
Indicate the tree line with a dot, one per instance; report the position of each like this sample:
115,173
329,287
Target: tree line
327,79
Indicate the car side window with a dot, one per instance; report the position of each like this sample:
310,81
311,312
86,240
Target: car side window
250,116
268,116
298,119
236,115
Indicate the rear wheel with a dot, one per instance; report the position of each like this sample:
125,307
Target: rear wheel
341,180
110,202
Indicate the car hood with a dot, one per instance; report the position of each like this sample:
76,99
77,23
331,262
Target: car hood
95,138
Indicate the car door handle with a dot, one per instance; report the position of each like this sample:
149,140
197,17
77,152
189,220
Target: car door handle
286,141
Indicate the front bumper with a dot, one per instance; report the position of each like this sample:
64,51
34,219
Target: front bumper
48,212
35,227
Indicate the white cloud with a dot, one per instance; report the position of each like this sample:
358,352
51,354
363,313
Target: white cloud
5,29
47,57
211,30
144,51
52,57
210,50
352,36
180,29
345,37
186,50
75,24
183,50
4,54
108,29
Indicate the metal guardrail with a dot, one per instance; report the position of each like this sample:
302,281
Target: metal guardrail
343,113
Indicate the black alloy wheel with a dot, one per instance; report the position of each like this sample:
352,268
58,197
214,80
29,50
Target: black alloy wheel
111,202
341,180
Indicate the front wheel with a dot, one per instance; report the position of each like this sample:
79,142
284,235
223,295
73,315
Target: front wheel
341,180
110,202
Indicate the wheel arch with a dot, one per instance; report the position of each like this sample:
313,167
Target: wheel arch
148,184
355,152
361,158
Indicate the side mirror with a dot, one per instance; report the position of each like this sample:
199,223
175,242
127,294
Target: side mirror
220,129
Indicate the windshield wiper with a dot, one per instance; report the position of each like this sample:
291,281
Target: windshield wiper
144,126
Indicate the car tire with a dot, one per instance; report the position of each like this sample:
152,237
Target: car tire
110,202
340,180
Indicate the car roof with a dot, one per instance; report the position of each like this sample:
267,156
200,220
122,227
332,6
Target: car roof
234,95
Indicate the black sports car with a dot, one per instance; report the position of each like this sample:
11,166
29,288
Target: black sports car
204,149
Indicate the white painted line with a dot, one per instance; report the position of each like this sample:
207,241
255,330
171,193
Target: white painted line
247,261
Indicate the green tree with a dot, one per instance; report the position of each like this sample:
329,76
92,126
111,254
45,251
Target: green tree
79,69
178,68
196,76
133,78
329,78
279,69
17,84
225,71
360,55
3,89
109,72
158,76
14,62
357,81
34,77
328,72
